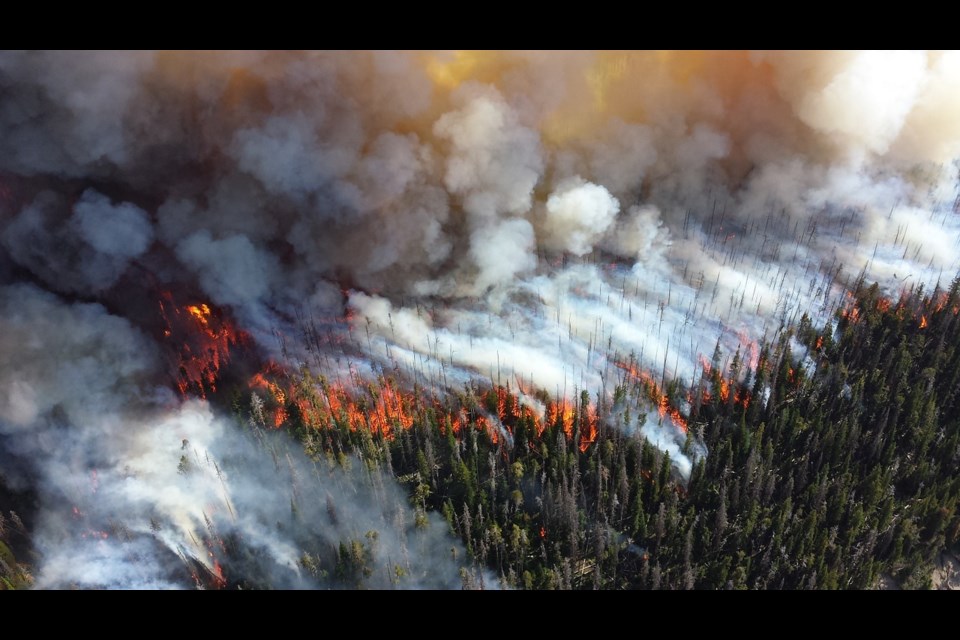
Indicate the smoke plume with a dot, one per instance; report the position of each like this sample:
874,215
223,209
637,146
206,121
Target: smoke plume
537,218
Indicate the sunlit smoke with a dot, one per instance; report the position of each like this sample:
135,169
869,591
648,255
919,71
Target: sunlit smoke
553,222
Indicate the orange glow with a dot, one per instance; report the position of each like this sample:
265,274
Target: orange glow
941,302
819,343
218,576
259,381
752,348
201,313
659,398
724,390
852,314
383,408
201,341
931,307
588,431
561,413
707,367
741,396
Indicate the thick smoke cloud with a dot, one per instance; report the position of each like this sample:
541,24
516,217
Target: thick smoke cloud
578,214
135,484
536,217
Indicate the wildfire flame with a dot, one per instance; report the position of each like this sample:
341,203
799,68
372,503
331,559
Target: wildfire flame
658,397
201,340
383,408
931,307
740,397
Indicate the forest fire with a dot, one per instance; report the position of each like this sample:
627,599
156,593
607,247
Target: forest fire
658,397
260,381
201,339
384,409
752,349
219,579
922,314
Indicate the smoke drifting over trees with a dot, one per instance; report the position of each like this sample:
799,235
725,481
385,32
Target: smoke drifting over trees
532,217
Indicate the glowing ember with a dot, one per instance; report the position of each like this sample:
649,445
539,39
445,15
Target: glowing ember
724,390
218,576
201,313
752,348
659,398
275,393
561,414
588,431
385,409
201,340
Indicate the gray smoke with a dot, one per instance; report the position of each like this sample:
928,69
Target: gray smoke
530,216
133,480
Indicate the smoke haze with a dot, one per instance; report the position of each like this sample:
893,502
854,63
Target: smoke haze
532,217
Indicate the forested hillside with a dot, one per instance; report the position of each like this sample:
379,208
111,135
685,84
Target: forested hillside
823,471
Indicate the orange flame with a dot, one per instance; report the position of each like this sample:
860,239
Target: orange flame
276,394
202,341
561,413
384,409
659,398
752,349
218,576
941,302
201,313
852,314
588,432
724,390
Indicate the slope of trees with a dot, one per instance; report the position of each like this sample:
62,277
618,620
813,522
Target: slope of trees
13,574
823,471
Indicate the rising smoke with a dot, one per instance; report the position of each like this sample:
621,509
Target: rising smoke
535,218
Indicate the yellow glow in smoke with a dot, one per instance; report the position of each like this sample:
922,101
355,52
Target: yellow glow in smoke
450,69
605,79
610,68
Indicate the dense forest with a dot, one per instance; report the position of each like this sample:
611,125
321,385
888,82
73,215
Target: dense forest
831,460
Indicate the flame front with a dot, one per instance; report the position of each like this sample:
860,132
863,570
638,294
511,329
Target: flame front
201,341
384,409
656,395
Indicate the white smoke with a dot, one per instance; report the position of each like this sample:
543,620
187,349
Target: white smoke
578,215
132,480
535,217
